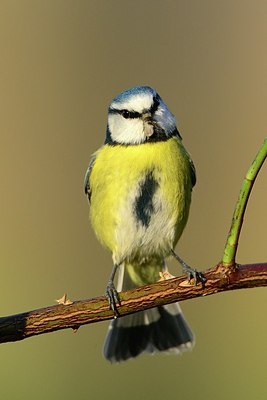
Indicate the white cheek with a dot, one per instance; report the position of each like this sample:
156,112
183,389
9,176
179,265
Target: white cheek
126,131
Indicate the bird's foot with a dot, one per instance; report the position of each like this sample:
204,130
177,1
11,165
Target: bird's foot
190,272
113,298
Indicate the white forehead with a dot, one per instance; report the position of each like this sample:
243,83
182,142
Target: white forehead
136,102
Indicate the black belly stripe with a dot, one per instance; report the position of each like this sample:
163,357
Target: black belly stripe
143,204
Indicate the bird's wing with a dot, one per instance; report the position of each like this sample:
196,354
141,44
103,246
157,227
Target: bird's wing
191,164
87,188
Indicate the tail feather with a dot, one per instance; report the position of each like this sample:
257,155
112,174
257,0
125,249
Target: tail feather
149,331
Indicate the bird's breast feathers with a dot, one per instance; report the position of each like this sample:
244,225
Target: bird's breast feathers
140,197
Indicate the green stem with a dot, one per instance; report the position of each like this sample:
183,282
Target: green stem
230,250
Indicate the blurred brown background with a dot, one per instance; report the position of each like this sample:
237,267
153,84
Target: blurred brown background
61,62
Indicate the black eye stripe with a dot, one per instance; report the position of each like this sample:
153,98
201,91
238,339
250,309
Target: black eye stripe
125,113
129,114
134,114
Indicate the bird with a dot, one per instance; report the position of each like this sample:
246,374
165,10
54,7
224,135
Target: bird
139,186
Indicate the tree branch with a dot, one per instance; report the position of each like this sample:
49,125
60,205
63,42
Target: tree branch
220,278
230,250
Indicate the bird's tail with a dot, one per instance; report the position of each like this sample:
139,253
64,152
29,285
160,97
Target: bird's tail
158,329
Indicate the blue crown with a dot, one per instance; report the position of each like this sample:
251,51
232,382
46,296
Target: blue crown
124,96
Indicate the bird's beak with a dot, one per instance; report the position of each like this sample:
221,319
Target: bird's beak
148,124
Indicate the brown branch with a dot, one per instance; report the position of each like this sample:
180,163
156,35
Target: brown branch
49,319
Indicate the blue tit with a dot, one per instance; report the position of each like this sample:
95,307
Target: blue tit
139,185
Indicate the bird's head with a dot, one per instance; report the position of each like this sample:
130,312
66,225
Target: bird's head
139,115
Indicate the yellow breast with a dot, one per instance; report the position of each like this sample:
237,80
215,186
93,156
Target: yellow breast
118,176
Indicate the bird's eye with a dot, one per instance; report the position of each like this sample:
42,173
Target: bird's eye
129,114
125,114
